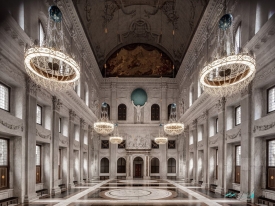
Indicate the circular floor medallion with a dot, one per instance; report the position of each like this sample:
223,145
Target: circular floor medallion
138,194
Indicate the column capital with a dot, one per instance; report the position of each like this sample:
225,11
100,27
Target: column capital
32,87
57,104
72,115
82,123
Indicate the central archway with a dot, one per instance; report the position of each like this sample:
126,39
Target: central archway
138,167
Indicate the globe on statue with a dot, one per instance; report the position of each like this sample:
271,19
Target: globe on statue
225,22
139,97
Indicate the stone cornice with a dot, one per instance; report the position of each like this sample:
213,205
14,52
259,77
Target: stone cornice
73,23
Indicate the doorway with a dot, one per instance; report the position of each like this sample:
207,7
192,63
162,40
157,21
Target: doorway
138,167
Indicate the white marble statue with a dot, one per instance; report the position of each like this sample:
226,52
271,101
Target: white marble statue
138,108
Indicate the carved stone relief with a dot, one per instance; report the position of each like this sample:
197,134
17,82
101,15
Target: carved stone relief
233,136
264,127
138,142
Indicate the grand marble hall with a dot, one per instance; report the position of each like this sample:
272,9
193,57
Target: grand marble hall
135,102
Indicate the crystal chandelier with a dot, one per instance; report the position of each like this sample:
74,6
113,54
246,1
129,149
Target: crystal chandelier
173,127
116,138
104,126
161,139
48,64
232,69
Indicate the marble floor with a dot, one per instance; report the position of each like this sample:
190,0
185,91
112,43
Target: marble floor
137,192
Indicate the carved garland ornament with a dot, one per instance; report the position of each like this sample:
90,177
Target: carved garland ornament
42,135
10,126
213,141
64,142
264,127
233,136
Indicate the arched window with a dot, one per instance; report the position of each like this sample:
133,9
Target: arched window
155,165
155,112
121,113
104,165
238,39
171,165
86,93
121,165
169,110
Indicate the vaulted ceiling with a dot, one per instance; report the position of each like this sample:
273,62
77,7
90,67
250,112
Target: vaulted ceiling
139,22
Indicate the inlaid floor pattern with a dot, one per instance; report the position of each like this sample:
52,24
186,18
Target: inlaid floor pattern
137,192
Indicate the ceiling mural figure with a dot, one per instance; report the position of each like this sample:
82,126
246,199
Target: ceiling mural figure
139,60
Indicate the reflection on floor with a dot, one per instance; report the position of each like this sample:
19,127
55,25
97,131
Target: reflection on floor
137,192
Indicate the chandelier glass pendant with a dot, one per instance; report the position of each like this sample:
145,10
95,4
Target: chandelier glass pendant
48,64
173,127
161,139
232,68
116,138
104,126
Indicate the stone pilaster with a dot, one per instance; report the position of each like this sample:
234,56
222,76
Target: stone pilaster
205,150
187,153
146,167
29,141
81,149
163,161
164,105
90,153
72,116
129,167
114,105
113,160
195,149
221,146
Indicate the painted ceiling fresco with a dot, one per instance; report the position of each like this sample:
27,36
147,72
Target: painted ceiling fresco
139,22
139,60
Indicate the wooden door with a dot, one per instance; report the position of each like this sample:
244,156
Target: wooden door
138,170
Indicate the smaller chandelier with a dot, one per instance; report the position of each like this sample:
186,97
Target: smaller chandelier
48,64
161,139
116,138
173,127
104,126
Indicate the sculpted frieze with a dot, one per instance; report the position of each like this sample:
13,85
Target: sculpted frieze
264,127
138,142
43,136
10,126
233,136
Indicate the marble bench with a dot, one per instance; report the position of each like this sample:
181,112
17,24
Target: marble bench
213,187
9,201
62,187
266,201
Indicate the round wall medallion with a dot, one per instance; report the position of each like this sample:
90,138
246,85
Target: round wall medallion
225,22
139,97
55,13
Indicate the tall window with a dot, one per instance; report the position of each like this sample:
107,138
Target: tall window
38,114
59,125
121,165
155,112
38,164
200,133
271,99
171,165
238,39
41,33
217,125
217,163
121,113
59,164
4,97
191,138
155,165
4,167
238,115
169,110
238,164
104,165
191,95
86,94
271,164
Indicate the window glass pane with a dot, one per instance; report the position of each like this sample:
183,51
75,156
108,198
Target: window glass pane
238,115
238,156
41,34
4,97
217,125
59,125
38,155
237,40
271,99
38,114
3,152
59,157
191,139
271,153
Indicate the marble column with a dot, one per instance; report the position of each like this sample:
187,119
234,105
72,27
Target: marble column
81,149
72,116
129,169
146,171
30,141
195,149
163,161
55,144
114,105
90,153
113,160
246,117
187,153
205,150
221,147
